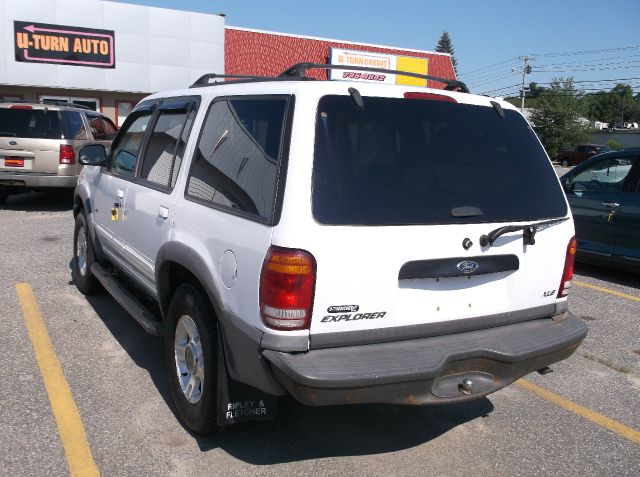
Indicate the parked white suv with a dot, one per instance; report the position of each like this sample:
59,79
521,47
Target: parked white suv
340,242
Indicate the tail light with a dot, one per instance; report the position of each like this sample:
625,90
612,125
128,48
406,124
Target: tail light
287,286
67,155
20,106
567,273
430,96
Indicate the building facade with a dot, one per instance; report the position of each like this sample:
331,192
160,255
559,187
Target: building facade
266,53
101,54
108,55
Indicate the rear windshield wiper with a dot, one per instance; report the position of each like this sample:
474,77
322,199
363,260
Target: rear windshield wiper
528,236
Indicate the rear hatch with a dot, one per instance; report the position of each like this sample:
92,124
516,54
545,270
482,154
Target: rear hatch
30,139
403,190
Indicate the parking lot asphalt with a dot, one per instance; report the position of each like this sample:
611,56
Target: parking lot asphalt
582,419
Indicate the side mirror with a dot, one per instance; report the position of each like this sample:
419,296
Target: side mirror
93,155
566,184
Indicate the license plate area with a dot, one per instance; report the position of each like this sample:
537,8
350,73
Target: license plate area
13,161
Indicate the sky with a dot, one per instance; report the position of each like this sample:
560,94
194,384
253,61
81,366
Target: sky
595,42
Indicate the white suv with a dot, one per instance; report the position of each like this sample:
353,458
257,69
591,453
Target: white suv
340,242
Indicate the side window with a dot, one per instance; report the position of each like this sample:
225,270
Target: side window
97,127
235,165
109,128
581,149
126,146
163,155
75,125
604,175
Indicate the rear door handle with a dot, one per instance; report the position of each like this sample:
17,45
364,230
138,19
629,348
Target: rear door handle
120,193
610,204
163,212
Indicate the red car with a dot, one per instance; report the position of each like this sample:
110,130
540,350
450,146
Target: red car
582,152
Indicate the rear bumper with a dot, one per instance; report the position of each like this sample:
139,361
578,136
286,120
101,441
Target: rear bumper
427,370
36,180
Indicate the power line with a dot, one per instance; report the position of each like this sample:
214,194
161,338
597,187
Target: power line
478,76
549,55
595,81
490,71
585,52
586,69
489,66
492,80
581,63
500,89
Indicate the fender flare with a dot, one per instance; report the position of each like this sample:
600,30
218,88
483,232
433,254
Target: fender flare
241,342
187,257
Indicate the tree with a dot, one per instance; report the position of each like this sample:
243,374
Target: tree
532,94
535,91
555,118
445,46
607,106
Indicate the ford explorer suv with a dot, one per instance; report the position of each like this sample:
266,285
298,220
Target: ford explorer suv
39,144
339,242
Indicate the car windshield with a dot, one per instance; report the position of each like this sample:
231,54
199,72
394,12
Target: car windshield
414,161
30,123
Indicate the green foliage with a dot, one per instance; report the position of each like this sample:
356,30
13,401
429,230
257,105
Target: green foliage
531,97
606,106
615,145
555,117
535,91
445,46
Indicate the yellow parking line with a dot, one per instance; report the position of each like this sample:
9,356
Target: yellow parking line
606,290
65,411
599,419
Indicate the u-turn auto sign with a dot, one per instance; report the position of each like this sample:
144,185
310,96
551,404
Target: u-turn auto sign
66,45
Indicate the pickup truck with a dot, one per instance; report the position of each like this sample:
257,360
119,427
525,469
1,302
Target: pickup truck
582,152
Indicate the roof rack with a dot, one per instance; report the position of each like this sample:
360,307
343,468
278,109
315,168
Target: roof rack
299,70
297,73
205,80
50,102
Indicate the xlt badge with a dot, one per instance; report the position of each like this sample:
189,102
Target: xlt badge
343,309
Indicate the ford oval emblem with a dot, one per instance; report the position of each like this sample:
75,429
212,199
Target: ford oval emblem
13,143
468,266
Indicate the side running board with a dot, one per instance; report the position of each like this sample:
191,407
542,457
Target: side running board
144,318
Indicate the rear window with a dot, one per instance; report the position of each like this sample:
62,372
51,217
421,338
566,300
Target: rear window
31,123
412,161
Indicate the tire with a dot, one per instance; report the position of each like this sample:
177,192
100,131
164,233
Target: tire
191,352
83,258
565,163
3,197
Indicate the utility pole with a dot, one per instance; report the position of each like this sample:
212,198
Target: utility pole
525,70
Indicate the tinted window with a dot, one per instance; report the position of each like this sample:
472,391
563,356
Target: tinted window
164,152
31,123
412,161
127,145
603,175
97,127
109,128
236,160
75,125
